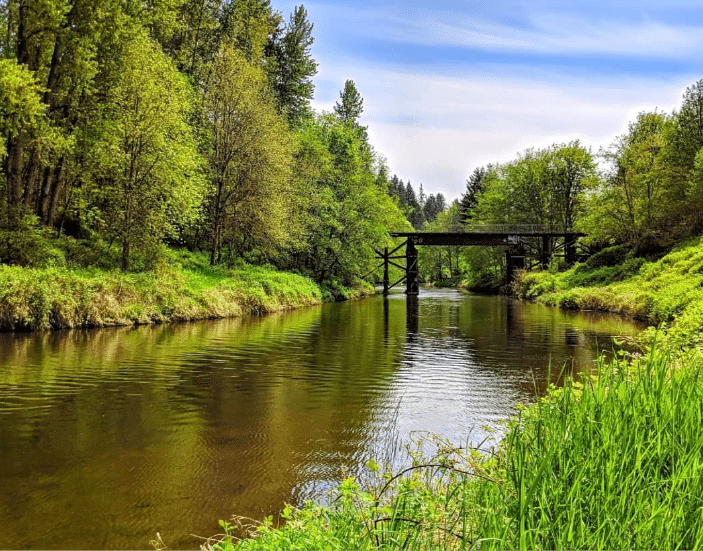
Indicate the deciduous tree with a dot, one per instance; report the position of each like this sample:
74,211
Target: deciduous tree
250,157
147,173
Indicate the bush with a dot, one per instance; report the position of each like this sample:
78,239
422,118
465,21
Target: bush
530,285
610,256
23,242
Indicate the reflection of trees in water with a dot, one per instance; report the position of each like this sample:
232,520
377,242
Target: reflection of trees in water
524,343
154,425
130,431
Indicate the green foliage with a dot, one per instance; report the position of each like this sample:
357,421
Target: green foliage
131,125
474,188
541,187
23,242
628,432
610,256
20,101
669,290
531,285
146,168
583,277
250,158
351,104
441,263
292,79
344,208
628,206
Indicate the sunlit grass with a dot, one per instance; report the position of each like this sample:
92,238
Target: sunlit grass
668,291
184,288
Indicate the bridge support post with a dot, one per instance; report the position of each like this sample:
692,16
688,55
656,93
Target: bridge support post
509,267
412,317
412,283
514,260
546,251
385,272
570,250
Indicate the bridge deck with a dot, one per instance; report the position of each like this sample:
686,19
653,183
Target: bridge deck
505,236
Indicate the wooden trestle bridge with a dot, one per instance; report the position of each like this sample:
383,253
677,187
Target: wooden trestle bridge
517,240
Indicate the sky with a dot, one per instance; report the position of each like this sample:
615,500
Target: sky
450,86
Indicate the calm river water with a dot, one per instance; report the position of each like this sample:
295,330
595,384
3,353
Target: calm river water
110,436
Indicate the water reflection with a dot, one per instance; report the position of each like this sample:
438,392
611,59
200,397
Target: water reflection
412,316
109,436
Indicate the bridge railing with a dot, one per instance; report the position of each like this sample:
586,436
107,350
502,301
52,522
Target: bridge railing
537,229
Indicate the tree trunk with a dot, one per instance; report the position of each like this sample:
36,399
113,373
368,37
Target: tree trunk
125,254
54,192
216,225
14,168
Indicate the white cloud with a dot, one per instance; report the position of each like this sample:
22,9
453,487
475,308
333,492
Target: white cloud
436,129
435,123
545,33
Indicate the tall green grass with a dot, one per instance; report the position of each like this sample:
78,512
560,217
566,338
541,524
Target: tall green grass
182,287
615,462
612,462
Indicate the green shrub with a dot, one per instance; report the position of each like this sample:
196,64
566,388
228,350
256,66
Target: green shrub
530,285
610,256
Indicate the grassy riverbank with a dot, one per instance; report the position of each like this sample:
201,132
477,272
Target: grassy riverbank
665,291
182,287
615,461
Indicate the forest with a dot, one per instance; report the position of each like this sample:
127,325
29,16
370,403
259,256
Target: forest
129,130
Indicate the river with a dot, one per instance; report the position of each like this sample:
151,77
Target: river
109,436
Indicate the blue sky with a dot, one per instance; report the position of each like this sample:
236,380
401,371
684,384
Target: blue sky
449,86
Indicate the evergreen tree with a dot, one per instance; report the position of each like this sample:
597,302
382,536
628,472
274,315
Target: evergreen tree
469,199
441,203
292,78
351,106
434,205
430,208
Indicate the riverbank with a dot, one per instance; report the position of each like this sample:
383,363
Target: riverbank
667,291
610,462
614,463
184,288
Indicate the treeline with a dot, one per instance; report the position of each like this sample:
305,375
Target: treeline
419,209
125,126
644,195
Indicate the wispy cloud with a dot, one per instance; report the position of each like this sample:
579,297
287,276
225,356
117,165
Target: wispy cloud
544,33
527,29
454,85
435,128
